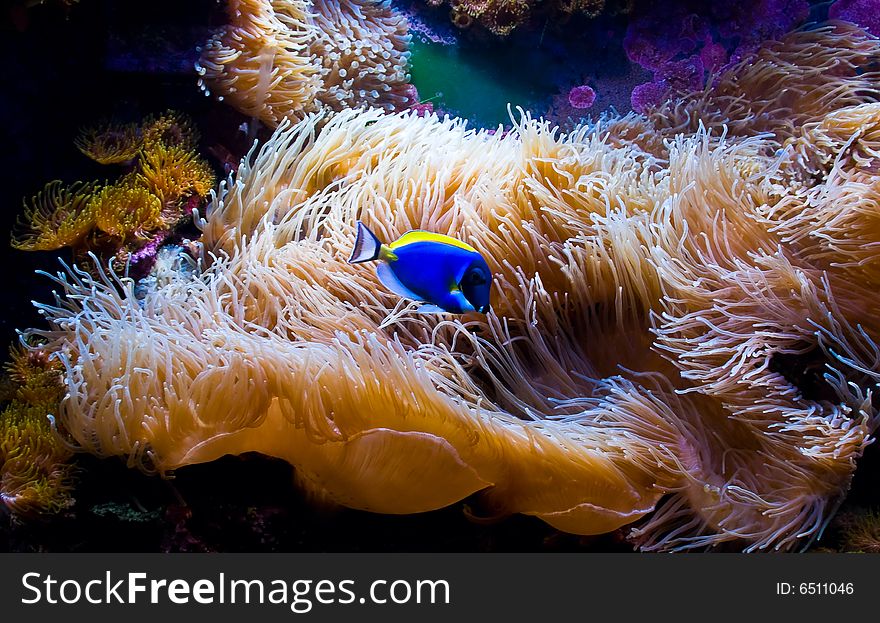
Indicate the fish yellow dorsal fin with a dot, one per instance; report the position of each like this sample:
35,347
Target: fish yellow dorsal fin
418,235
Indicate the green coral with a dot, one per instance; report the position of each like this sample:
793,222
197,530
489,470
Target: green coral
125,512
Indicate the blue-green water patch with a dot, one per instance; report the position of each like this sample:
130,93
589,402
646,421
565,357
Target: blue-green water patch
480,82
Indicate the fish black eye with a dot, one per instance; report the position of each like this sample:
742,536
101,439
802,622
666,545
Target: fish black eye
475,277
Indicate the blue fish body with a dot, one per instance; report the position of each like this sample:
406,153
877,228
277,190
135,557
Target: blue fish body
444,273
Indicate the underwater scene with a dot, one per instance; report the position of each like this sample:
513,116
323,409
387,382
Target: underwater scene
440,275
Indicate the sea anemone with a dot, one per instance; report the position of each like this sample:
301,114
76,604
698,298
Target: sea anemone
125,210
783,86
661,350
362,47
829,187
110,143
58,216
309,359
174,174
261,64
35,469
169,128
282,59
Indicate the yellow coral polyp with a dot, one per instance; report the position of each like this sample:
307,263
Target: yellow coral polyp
170,128
58,216
110,143
126,210
154,195
505,15
823,69
35,469
35,374
173,173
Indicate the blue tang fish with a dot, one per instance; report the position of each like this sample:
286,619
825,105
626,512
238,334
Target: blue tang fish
446,274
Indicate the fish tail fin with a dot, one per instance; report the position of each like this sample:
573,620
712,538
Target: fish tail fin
367,247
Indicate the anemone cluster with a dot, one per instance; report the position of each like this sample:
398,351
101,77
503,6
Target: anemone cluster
164,181
35,471
684,337
284,59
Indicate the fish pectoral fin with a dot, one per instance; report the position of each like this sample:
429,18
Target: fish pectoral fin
430,308
390,281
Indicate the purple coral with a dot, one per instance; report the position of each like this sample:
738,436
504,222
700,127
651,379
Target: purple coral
865,13
750,23
581,97
680,42
648,95
663,31
674,77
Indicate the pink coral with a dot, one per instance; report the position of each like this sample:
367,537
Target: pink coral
581,97
652,46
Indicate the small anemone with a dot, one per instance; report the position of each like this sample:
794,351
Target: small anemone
284,60
58,216
35,469
170,128
110,143
126,210
505,15
174,174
